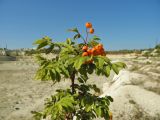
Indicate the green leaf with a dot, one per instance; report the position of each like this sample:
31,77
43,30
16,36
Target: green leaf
40,41
47,38
120,64
65,71
98,71
82,101
90,68
107,60
79,61
107,71
98,111
42,45
95,38
67,102
92,43
83,70
58,69
48,50
84,77
96,89
52,74
115,69
80,80
58,77
100,63
110,98
76,36
88,108
37,115
73,30
68,41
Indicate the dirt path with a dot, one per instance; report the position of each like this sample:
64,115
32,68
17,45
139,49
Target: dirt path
136,93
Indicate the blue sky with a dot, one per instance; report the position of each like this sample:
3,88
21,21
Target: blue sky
121,24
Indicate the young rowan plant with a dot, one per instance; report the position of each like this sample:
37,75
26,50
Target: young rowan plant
75,62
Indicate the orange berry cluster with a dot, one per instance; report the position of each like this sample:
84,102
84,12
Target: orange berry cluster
96,50
89,25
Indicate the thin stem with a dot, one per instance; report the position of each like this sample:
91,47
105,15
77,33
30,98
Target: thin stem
72,77
86,36
82,38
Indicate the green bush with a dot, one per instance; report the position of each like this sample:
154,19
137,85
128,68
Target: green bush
72,64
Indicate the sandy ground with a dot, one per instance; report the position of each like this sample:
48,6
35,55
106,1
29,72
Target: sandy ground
136,90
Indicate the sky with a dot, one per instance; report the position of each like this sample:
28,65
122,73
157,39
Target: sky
121,24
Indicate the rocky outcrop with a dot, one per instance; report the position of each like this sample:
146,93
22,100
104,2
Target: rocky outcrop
133,99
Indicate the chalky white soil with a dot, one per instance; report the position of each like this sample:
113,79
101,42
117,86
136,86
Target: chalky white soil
136,90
